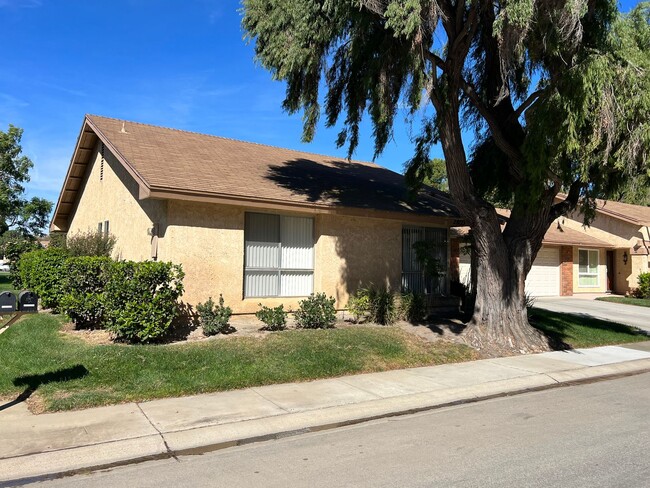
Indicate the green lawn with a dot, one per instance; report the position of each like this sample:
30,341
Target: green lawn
5,283
575,331
641,302
68,373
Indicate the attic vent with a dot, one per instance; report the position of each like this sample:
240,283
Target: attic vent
101,164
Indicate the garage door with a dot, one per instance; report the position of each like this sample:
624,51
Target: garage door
543,279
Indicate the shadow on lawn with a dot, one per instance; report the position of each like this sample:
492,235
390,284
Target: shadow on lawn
555,326
33,382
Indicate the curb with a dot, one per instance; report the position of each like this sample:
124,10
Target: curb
31,468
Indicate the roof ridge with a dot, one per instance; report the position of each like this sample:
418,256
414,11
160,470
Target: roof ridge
243,142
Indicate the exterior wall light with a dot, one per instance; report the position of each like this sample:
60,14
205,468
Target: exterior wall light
624,257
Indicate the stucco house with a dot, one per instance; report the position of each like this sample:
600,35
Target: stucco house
605,257
256,223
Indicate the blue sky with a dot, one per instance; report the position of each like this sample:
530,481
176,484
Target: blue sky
177,64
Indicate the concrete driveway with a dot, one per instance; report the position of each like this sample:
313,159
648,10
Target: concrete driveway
614,312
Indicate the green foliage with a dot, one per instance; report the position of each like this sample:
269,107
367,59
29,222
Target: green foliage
214,318
644,285
273,318
29,217
84,279
382,308
359,304
42,272
90,243
316,312
412,307
13,244
141,299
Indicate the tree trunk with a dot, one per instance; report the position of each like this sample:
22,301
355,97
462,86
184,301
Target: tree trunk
499,325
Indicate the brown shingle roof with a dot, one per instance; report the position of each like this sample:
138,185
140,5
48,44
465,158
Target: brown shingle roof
635,213
190,163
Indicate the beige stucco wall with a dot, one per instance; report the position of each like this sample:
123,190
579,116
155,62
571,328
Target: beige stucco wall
208,240
114,198
605,228
602,272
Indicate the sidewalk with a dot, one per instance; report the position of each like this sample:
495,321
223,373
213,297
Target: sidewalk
38,445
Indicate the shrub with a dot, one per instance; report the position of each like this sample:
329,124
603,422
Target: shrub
214,318
42,272
457,289
84,280
382,306
91,243
316,312
140,299
13,245
412,307
644,285
273,318
359,304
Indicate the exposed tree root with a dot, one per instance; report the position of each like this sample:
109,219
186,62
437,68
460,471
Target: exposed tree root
496,340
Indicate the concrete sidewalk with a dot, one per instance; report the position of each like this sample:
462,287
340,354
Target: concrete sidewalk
41,445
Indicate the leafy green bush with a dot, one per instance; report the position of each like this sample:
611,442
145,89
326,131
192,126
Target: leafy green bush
316,312
359,304
382,306
412,307
140,299
13,245
91,243
214,318
42,272
273,318
84,280
644,285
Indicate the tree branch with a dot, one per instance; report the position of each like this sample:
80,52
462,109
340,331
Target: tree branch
569,203
536,95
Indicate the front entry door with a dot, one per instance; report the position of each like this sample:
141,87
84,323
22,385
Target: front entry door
610,271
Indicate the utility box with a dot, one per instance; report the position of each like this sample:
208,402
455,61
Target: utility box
7,302
27,301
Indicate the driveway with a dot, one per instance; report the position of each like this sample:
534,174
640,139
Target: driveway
614,312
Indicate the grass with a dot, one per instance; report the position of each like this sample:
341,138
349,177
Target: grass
574,331
641,302
67,372
5,283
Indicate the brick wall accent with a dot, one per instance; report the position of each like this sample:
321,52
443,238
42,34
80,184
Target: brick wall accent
566,271
454,260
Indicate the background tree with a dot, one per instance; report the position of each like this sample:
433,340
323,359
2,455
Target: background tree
25,216
434,174
556,92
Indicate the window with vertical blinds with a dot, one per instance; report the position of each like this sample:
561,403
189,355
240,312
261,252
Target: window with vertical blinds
413,277
279,257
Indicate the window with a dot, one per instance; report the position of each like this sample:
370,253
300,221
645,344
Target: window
433,242
588,268
99,228
279,258
106,231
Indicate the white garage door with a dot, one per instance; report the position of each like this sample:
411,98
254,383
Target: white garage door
543,279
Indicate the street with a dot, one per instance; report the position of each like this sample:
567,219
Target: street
595,435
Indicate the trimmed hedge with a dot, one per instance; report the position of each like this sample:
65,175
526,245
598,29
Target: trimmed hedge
137,301
644,285
140,299
42,272
85,278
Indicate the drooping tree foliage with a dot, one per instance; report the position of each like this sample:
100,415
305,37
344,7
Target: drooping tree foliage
556,94
26,217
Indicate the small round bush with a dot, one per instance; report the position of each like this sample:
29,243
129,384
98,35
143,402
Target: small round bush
214,318
316,312
273,318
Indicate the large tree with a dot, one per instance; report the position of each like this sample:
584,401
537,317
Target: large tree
25,217
556,96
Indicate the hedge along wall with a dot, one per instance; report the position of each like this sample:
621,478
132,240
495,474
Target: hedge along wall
137,301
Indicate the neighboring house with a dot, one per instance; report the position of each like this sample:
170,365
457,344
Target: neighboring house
605,257
255,223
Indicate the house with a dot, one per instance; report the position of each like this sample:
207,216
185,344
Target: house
256,223
605,257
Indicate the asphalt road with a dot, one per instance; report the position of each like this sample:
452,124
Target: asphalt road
595,435
614,312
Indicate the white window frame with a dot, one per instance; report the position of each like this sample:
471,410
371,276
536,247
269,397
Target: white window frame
280,269
597,274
